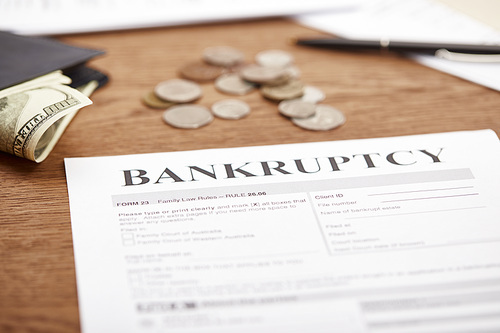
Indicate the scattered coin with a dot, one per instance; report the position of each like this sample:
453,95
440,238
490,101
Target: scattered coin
260,74
223,56
273,72
178,90
188,116
233,84
151,100
291,89
297,108
312,94
230,109
200,71
274,58
325,118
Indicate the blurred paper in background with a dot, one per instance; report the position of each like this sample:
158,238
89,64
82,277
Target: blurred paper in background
422,21
50,17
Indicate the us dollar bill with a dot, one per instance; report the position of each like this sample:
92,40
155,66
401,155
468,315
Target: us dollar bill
34,115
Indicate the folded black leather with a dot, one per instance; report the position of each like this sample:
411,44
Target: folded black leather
81,74
23,58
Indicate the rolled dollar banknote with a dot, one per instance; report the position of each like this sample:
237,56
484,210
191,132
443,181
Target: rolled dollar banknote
34,114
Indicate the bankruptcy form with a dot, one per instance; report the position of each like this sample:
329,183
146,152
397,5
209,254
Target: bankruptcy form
376,235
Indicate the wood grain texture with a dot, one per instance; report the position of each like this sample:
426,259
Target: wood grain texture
381,95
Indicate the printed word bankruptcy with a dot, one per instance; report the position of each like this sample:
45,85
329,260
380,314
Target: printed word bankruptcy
269,168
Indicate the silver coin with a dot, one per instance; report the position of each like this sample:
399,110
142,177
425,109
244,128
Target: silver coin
230,109
233,84
274,58
312,94
188,116
223,56
325,118
260,74
290,90
178,90
296,108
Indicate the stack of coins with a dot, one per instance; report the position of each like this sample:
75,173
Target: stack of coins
273,73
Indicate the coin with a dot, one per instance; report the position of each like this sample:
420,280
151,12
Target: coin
312,94
273,72
188,116
223,56
230,109
325,118
151,100
297,108
233,84
178,90
274,58
259,74
200,71
281,80
291,89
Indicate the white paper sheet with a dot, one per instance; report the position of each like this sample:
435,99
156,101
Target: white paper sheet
419,21
383,235
50,17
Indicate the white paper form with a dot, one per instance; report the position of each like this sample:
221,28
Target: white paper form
51,17
382,235
418,21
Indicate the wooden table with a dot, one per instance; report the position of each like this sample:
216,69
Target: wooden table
381,95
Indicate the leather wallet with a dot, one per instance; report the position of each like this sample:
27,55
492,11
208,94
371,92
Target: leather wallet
23,58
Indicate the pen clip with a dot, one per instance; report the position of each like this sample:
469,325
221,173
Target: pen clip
467,57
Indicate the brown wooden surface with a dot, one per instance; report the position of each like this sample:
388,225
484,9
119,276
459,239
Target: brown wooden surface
380,95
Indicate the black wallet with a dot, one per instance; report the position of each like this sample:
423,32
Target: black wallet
23,58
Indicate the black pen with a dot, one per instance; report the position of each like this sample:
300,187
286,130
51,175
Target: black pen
400,46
